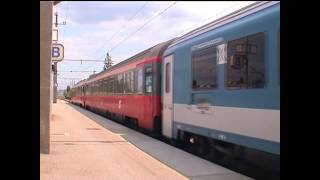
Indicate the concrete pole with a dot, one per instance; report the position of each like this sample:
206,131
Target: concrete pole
45,74
55,83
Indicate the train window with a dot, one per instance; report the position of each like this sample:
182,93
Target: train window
101,88
167,79
245,64
95,88
148,80
204,68
126,77
111,85
105,87
148,83
119,83
132,82
92,89
129,82
139,82
98,88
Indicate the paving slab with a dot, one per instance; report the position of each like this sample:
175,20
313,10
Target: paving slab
81,149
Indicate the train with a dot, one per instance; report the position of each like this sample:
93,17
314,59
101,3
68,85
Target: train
216,88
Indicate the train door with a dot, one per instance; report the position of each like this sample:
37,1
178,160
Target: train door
148,95
167,92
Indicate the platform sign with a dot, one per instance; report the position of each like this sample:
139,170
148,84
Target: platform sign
57,52
55,34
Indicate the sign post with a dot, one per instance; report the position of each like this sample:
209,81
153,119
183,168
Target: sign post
57,52
57,55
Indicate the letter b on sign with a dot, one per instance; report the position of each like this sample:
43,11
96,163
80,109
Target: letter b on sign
57,52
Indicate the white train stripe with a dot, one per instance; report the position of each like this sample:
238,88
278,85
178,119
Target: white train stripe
257,123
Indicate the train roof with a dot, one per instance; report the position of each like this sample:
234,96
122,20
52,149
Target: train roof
156,50
250,9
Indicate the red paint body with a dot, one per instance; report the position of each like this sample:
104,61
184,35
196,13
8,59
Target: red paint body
145,107
141,107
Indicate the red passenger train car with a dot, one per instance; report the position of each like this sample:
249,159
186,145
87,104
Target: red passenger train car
129,91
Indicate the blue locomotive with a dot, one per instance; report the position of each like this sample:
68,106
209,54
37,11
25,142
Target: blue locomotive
221,86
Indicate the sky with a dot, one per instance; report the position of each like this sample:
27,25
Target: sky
125,28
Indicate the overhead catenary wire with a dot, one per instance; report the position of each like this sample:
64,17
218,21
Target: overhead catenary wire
78,67
85,60
62,80
64,31
216,15
76,71
122,27
198,24
148,21
126,38
68,78
151,19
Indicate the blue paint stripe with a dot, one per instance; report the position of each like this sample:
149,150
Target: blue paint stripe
251,142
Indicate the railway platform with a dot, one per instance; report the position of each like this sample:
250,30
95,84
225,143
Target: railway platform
84,146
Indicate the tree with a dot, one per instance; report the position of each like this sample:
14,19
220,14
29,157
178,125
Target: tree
108,62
